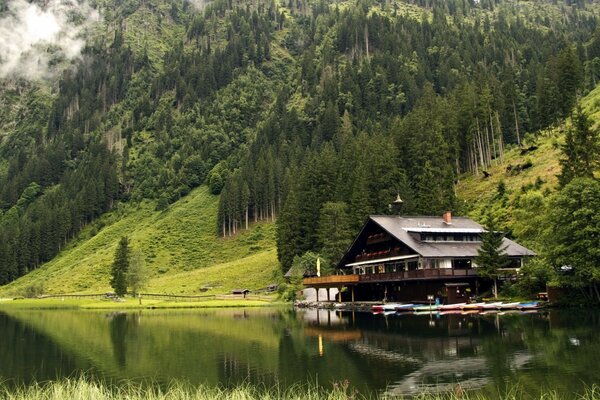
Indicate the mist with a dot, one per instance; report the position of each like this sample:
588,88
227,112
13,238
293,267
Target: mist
36,39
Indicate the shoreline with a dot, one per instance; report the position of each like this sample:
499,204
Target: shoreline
88,388
130,304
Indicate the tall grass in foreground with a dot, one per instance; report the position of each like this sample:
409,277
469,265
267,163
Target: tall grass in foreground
87,389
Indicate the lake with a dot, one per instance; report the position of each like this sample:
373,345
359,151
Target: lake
402,354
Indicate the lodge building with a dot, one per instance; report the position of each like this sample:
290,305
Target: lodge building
397,258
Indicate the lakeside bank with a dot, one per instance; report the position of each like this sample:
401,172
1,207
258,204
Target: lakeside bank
83,388
129,304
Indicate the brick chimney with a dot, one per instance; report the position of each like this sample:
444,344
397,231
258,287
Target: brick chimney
447,217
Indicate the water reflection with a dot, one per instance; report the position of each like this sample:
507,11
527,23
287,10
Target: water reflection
398,354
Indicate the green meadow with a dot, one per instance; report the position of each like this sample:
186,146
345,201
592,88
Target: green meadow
182,251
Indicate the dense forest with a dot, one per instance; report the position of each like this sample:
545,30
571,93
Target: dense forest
310,113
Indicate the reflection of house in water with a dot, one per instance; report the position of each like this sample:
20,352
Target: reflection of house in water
445,375
414,354
322,317
408,258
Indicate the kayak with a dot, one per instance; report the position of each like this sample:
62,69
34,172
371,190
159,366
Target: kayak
385,307
451,312
508,306
457,306
432,307
473,306
404,307
532,305
491,306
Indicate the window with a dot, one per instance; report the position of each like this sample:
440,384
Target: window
461,263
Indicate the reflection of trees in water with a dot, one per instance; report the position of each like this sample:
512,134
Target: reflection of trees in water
119,330
28,355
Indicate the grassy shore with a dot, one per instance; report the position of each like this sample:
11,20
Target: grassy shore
87,389
127,304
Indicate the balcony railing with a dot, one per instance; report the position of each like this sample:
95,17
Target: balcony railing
331,279
390,276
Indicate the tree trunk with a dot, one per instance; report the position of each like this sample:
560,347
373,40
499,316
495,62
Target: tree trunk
496,288
516,124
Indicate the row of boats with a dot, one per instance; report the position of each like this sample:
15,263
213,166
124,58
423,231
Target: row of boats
460,307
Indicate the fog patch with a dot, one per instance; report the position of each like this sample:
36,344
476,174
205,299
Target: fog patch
36,38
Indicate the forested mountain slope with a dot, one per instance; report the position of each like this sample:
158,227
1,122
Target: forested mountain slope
516,191
308,112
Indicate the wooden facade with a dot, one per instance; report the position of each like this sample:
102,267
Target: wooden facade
411,258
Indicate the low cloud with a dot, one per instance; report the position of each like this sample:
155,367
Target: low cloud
35,38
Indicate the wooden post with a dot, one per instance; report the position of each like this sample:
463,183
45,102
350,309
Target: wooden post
352,293
340,295
317,289
328,294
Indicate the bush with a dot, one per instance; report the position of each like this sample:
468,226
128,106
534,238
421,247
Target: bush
33,290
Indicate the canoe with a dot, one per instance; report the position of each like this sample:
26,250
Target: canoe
532,305
472,306
385,307
451,312
404,307
508,306
491,306
432,307
447,307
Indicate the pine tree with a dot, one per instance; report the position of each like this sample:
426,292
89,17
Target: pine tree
581,149
491,257
334,231
120,267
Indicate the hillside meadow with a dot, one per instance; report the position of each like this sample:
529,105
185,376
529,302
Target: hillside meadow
182,252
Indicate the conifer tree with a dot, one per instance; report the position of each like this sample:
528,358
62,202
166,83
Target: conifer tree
581,149
334,231
491,257
120,267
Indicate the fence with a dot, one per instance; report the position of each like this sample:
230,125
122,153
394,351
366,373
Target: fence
160,296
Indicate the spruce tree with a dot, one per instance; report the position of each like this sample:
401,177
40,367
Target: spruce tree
334,231
581,149
120,267
491,256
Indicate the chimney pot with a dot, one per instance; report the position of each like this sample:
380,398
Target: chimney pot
448,217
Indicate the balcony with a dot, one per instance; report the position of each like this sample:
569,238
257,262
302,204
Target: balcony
421,274
331,280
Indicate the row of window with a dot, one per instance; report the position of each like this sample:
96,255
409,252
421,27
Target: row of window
413,265
456,237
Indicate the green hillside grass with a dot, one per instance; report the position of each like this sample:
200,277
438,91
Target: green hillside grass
182,252
478,195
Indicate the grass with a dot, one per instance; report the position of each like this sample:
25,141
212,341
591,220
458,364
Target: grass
478,194
128,304
182,251
85,388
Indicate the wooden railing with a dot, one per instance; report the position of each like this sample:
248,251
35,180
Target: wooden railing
390,276
331,279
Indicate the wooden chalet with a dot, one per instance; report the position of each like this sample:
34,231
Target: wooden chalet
397,258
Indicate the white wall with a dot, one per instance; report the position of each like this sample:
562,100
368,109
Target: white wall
310,294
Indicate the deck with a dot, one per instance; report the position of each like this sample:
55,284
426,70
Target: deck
421,274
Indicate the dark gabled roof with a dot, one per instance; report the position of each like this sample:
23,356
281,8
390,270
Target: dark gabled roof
401,228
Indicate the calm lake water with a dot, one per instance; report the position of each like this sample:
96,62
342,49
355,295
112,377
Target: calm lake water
402,354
